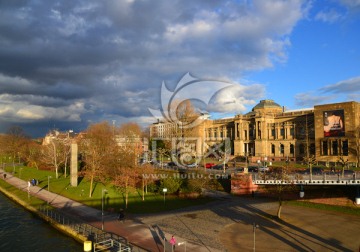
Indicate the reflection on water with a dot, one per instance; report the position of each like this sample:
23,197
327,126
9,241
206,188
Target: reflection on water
22,231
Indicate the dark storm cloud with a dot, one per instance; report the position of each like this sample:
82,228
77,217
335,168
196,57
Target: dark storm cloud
84,61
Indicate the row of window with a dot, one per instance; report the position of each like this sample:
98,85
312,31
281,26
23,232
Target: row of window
302,149
333,147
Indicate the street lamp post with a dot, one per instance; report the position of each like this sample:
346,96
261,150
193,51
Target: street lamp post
102,208
164,191
255,226
49,177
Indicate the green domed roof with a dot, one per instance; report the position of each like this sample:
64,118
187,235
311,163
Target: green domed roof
263,104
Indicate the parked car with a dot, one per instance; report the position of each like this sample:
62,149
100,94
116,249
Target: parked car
252,169
348,172
239,169
209,165
263,169
194,165
220,167
171,164
315,171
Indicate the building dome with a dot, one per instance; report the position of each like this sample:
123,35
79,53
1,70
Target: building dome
267,104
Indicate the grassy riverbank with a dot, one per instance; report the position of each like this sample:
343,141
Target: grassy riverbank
112,199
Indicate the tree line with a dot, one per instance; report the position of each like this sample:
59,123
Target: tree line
108,154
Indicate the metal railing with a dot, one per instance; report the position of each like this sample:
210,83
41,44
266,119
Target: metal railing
109,245
315,179
101,239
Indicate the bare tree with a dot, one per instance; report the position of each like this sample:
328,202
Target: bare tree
33,155
14,142
283,185
186,115
99,152
357,145
125,179
53,154
343,162
129,140
125,172
145,175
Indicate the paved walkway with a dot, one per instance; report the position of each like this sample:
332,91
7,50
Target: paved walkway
225,225
150,238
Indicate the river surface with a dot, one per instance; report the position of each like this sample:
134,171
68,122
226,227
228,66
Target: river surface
22,231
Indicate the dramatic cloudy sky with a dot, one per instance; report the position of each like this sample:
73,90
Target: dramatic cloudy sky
65,64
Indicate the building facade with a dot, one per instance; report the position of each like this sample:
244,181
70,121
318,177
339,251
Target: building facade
270,133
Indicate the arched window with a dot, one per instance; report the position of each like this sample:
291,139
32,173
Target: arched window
292,149
282,149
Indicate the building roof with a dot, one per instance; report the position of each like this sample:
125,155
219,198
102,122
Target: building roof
263,104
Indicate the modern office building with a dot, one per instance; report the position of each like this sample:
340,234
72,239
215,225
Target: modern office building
268,132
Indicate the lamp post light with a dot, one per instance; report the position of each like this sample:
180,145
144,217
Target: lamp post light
255,226
182,243
164,191
49,177
102,208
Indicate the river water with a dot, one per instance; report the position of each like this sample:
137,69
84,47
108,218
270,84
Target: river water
22,231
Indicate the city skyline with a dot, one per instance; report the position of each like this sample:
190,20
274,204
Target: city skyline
67,64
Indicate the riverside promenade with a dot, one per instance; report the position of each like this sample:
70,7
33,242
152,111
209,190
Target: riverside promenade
225,224
143,236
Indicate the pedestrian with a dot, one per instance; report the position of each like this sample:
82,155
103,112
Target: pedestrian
121,215
4,175
29,184
173,242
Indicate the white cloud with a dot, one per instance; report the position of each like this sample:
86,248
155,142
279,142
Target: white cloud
346,90
237,98
349,86
329,16
21,111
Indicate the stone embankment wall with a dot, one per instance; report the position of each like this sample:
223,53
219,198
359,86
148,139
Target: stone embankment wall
62,228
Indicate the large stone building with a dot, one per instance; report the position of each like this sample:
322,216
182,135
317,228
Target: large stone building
271,133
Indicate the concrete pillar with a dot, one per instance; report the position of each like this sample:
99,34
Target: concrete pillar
74,165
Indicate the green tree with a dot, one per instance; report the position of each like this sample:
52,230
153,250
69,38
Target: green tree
172,183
